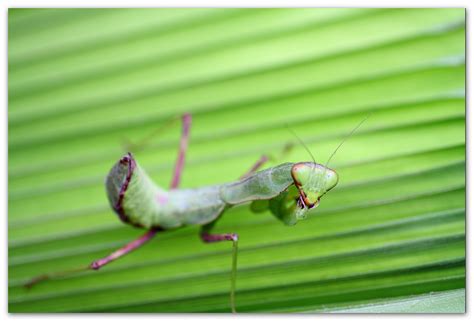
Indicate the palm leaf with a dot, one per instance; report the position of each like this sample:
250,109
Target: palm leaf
81,81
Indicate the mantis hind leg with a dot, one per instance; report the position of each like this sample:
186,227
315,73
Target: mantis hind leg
97,264
130,146
174,184
135,244
183,145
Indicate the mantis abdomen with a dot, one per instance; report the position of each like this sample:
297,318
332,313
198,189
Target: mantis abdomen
139,201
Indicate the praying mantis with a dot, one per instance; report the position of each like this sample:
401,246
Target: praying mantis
289,191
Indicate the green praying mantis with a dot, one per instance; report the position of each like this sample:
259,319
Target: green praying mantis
289,191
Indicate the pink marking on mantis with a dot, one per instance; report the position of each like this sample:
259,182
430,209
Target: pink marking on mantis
162,198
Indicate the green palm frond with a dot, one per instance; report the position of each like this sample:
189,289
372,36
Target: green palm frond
389,238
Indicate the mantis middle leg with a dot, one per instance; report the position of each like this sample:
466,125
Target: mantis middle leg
211,238
207,237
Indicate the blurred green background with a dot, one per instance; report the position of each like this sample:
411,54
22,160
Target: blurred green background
390,237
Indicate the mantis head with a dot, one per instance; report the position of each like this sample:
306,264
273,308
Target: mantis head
312,181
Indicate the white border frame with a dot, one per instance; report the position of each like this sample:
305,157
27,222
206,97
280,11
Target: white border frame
5,4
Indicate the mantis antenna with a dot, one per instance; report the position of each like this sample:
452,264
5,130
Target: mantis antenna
302,143
347,137
305,147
